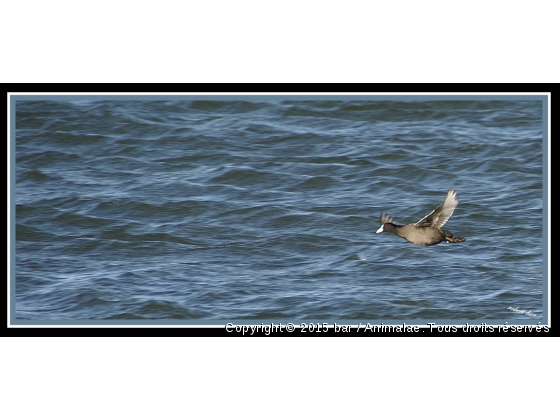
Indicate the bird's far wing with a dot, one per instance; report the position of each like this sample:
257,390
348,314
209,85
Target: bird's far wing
385,218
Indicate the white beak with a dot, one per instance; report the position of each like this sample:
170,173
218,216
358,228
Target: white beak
379,230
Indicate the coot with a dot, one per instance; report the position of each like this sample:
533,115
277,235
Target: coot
427,231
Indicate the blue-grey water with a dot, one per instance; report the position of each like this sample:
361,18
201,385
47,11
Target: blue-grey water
229,210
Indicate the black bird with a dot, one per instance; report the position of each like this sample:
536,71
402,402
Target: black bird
427,231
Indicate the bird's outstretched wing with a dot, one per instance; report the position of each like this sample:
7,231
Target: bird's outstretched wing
441,214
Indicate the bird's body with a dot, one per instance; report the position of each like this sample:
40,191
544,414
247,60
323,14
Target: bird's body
426,231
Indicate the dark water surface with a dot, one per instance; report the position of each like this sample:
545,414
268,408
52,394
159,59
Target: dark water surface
225,210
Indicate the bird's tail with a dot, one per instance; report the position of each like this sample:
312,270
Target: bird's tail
457,239
449,238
